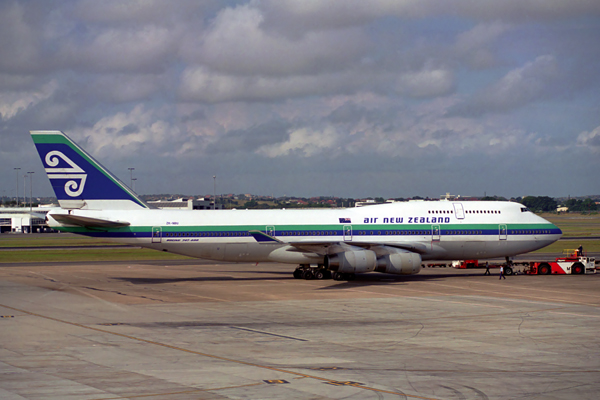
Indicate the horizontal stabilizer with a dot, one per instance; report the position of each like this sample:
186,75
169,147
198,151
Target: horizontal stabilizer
87,221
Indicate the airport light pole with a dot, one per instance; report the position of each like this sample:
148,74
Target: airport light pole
131,177
24,197
133,183
17,171
30,201
215,192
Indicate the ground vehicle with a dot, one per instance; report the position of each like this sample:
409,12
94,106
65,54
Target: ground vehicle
571,263
508,269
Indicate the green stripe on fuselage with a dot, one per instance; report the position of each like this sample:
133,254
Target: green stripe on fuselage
369,229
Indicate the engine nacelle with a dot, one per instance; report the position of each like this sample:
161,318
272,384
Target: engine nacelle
352,261
404,263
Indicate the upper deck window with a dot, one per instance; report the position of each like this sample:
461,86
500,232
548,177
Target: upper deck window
524,209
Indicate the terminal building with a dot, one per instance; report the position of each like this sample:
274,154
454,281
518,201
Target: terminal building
33,220
24,219
185,204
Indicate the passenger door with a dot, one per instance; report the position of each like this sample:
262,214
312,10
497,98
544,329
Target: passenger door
347,233
502,231
270,230
156,234
459,211
435,233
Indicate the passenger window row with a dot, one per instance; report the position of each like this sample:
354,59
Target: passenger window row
358,233
206,234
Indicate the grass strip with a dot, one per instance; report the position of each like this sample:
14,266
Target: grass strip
575,225
589,246
87,255
24,241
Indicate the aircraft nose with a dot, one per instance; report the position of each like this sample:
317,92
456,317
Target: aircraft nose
557,231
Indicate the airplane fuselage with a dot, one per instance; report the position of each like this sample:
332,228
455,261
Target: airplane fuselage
437,230
392,238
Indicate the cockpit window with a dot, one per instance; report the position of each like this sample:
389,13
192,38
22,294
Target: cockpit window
524,209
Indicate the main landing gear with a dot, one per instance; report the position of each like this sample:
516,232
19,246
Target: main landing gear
305,271
508,270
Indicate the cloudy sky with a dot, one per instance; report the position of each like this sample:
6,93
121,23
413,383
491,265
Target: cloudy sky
352,98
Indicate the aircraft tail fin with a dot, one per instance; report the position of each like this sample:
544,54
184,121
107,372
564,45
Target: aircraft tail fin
79,181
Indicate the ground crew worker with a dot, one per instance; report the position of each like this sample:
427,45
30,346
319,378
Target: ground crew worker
487,268
502,272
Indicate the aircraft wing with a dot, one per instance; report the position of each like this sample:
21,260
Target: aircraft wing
324,248
88,222
328,247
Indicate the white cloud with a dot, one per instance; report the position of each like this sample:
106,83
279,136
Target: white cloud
300,15
475,45
297,16
202,84
128,87
524,84
135,11
304,142
141,49
590,140
428,82
536,80
122,133
237,43
13,102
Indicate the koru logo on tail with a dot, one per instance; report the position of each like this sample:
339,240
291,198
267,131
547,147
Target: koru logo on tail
72,187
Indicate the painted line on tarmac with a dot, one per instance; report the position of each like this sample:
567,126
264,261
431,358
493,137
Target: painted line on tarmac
138,396
550,300
574,293
576,315
213,356
429,293
268,333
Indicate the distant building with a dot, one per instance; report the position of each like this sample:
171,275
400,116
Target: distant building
22,220
185,204
368,202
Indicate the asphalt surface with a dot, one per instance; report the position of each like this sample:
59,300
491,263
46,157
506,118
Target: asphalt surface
200,330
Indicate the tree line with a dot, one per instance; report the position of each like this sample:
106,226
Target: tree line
548,204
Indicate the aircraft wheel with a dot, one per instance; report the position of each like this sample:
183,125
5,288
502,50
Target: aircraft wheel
350,277
307,274
298,273
577,268
319,274
544,269
508,271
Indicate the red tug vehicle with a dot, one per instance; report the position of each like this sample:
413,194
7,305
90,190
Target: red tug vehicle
572,263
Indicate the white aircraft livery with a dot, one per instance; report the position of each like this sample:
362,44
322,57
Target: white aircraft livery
392,238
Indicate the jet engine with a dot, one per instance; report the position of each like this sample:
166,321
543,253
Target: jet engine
352,261
401,263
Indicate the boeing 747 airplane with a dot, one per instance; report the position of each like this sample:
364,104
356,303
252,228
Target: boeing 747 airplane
391,238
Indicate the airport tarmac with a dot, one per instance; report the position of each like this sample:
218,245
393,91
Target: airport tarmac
200,330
